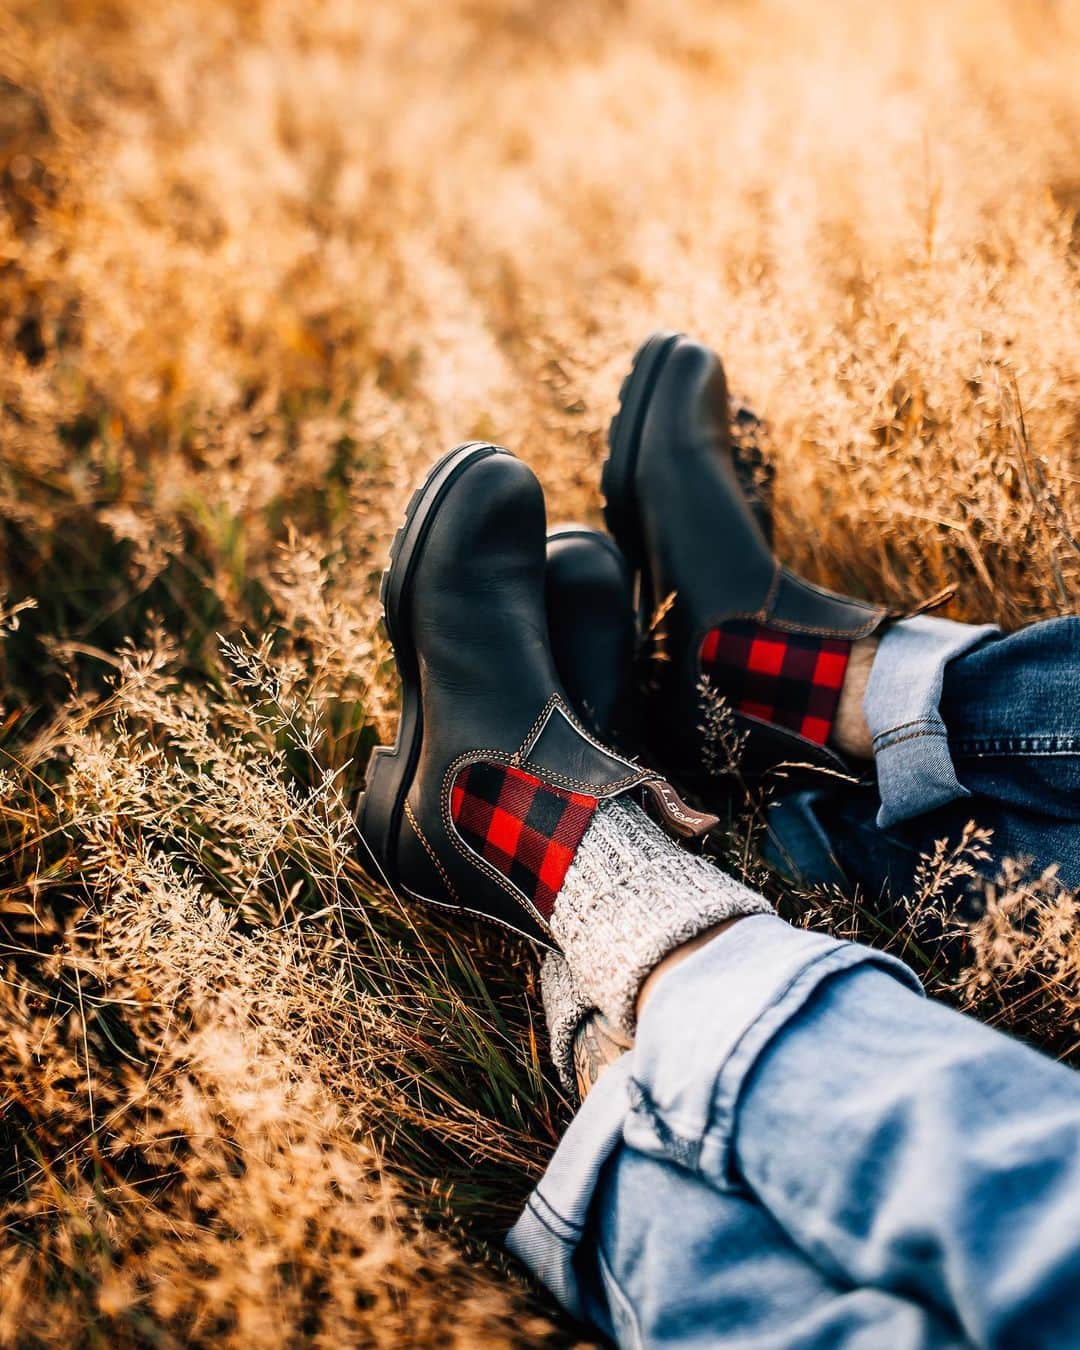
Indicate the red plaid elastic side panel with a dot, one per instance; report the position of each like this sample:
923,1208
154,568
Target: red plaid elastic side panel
525,829
790,679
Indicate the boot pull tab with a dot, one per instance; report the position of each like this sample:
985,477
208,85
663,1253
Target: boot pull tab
674,814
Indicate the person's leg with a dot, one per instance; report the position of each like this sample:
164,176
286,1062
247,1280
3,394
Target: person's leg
1012,711
494,800
962,724
896,683
899,1145
764,658
670,1262
651,1253
955,711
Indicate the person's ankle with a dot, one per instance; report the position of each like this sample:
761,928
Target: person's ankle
850,732
598,1044
630,898
677,957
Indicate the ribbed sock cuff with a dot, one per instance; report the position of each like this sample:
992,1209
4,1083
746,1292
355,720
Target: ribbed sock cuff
565,1008
630,897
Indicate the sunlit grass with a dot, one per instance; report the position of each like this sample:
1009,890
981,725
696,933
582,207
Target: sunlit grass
260,263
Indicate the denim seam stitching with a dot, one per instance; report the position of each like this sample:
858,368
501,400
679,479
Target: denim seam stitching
685,1151
1017,745
561,1238
570,1223
883,744
1017,754
903,726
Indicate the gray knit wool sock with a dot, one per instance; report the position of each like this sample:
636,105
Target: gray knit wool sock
565,1008
631,896
568,1014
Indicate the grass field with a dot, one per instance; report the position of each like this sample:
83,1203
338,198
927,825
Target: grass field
260,262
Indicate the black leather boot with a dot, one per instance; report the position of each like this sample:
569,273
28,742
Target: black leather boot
590,609
591,598
771,644
479,805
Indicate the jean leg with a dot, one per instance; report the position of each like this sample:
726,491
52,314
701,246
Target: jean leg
956,710
899,1145
915,772
674,1263
1012,710
883,863
967,725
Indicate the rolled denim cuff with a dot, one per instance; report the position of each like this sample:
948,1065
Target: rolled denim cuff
675,1094
721,1007
555,1219
911,748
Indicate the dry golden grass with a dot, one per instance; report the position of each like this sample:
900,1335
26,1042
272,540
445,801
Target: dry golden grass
262,260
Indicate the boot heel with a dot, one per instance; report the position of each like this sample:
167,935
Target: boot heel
378,812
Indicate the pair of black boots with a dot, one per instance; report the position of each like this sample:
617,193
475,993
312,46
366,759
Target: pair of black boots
516,650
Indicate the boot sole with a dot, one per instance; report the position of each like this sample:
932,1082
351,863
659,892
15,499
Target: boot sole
392,767
621,514
624,439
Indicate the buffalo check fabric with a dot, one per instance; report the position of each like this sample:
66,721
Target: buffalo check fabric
790,679
526,829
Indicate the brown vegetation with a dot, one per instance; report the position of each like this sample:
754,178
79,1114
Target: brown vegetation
261,261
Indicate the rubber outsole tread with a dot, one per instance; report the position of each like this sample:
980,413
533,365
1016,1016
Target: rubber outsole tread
618,511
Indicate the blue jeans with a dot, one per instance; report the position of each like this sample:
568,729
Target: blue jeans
801,1151
967,725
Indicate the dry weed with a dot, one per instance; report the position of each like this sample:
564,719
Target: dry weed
260,261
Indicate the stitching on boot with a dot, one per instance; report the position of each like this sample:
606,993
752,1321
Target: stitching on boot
844,634
556,704
771,593
551,775
475,859
525,828
559,780
411,818
480,914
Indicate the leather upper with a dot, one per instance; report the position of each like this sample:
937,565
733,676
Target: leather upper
705,547
590,612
